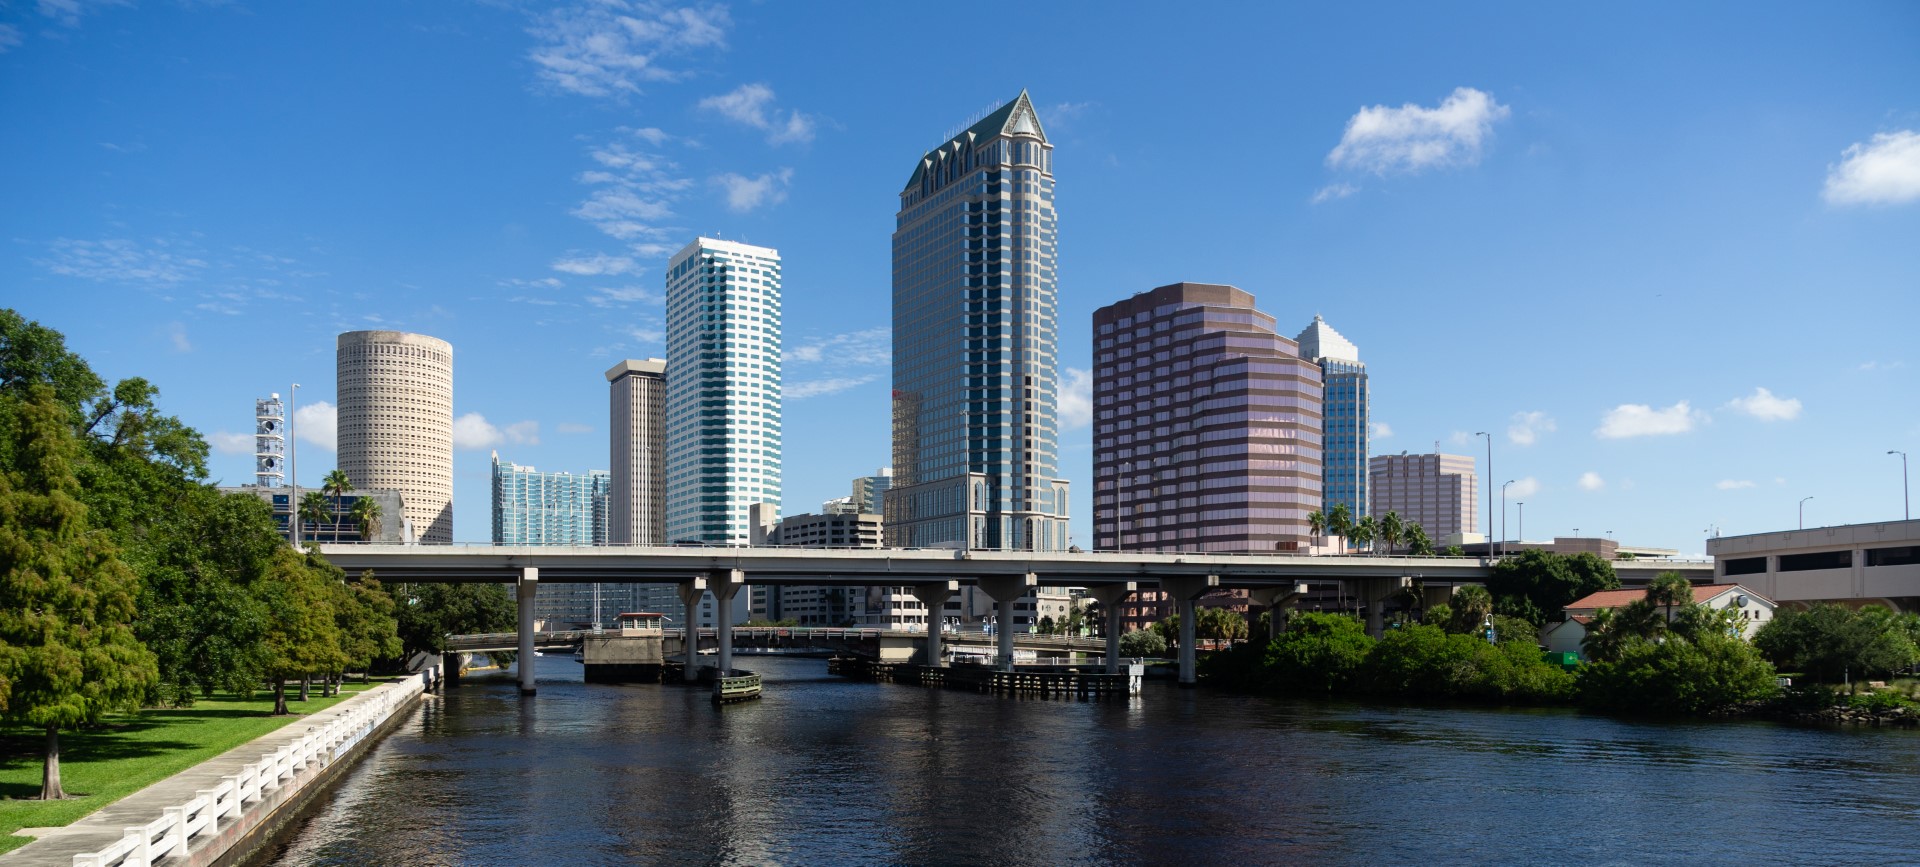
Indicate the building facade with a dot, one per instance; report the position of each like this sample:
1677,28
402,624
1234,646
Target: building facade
1852,564
723,397
395,395
636,511
535,508
390,526
818,605
975,366
870,492
1346,408
1434,492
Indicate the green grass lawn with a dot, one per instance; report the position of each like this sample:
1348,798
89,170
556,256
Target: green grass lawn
126,753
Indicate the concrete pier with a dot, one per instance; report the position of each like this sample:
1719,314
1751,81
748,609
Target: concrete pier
935,597
724,585
690,592
1005,590
1278,601
528,586
1185,590
1110,597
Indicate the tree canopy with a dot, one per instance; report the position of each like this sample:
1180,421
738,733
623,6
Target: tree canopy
1536,585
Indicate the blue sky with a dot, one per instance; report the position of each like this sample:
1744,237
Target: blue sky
1670,257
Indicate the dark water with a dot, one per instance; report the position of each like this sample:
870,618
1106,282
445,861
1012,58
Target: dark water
823,771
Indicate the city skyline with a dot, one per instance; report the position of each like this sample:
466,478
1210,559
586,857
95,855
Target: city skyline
1593,260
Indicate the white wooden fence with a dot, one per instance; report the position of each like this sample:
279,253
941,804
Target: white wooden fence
170,835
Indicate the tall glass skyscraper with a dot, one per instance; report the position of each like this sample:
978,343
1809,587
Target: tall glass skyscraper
975,372
1346,424
723,391
535,508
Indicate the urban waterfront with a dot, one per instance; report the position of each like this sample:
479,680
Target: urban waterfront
829,771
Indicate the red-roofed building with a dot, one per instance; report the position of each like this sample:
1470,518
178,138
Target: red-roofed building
1566,637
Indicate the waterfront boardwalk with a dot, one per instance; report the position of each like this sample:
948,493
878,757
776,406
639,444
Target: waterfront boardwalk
56,847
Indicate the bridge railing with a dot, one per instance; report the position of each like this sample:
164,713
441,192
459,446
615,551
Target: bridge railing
171,835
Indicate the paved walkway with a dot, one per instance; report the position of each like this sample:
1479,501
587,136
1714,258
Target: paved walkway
102,828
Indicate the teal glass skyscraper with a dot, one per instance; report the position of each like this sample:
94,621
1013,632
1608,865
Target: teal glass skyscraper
975,371
1346,423
535,508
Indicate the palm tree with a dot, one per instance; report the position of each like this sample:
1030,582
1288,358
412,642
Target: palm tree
1471,605
314,509
1392,530
1363,532
1317,524
366,514
1603,639
1340,520
336,484
1640,619
1417,542
1670,589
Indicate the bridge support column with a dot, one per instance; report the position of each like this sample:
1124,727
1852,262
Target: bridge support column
1278,601
528,586
1110,596
935,597
1184,590
1374,593
725,585
691,592
1005,590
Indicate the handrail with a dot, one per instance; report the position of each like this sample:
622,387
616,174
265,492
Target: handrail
721,549
171,835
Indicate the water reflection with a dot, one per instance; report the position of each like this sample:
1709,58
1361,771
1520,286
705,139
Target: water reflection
827,771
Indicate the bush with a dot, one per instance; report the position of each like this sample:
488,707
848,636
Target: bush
1427,662
1143,643
1678,676
1879,701
1318,653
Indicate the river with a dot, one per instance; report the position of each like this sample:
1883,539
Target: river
826,771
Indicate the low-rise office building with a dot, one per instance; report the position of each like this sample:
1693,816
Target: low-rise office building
1852,564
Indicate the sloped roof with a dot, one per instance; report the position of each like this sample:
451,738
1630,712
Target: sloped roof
1318,340
1014,118
1621,598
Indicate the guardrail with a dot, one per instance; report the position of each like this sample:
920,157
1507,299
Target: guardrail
172,834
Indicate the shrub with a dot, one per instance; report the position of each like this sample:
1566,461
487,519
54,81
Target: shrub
1678,676
1427,662
1143,642
1318,653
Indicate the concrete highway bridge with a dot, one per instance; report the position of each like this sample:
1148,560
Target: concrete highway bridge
934,574
884,645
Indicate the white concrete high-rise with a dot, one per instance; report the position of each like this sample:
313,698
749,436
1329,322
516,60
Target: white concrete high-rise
723,394
395,394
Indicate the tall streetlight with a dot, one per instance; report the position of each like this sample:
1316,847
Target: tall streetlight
1803,512
1523,525
1906,499
1503,511
1481,433
293,470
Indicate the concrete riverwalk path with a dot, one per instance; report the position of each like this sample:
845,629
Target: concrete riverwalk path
56,847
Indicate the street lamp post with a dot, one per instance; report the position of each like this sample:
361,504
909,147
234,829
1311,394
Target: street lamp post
1803,512
1489,437
1523,524
1503,510
1906,498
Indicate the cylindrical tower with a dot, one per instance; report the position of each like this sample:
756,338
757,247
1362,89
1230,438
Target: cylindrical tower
269,443
396,423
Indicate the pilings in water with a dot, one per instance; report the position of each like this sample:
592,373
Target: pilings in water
1044,682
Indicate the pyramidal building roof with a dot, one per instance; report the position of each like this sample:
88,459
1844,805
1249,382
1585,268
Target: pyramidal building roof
1319,340
1014,118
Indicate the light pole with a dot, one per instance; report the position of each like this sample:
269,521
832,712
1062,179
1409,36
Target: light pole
1906,499
1803,512
1523,524
293,469
1503,510
1481,433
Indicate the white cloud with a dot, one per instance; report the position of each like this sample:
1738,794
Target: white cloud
317,424
1591,481
1410,138
822,387
177,334
623,295
231,443
598,264
1076,399
1882,365
523,433
1460,438
1639,419
1733,484
1528,426
752,105
68,12
1764,406
1333,191
611,47
870,346
9,37
1883,171
633,190
567,427
1380,430
1523,487
745,194
117,260
473,431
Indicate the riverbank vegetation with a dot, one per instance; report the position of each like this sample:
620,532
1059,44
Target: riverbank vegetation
127,580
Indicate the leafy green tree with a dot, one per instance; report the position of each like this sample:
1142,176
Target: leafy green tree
366,516
1440,615
1392,530
428,613
1143,643
1427,662
1537,585
1456,551
337,485
302,637
364,612
1470,608
1046,625
1669,589
1319,653
199,610
1169,629
1678,676
1829,642
68,652
1219,623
